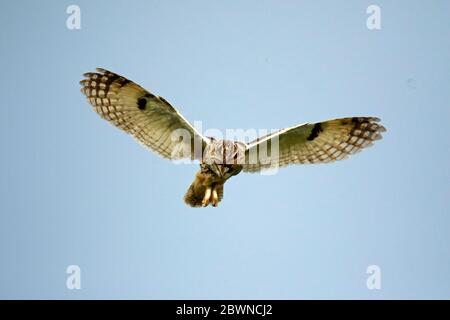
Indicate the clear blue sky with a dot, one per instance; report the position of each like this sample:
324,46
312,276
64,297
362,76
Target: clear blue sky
77,191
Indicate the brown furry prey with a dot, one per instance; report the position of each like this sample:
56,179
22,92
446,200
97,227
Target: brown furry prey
156,124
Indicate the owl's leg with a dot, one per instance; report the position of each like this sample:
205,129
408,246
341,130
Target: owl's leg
217,193
215,198
207,197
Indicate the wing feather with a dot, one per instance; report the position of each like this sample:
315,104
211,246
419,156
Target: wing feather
148,118
320,142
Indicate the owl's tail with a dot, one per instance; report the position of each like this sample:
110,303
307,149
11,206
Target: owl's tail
196,192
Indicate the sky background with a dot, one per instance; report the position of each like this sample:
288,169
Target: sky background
77,191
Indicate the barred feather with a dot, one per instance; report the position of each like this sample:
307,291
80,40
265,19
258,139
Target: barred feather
148,118
321,142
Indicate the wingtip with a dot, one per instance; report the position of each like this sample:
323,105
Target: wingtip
380,128
102,70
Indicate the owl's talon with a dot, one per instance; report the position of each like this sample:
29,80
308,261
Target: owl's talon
207,197
215,198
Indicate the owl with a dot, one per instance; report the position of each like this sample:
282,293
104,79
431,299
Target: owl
156,124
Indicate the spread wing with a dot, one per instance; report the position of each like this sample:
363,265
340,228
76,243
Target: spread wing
148,118
320,142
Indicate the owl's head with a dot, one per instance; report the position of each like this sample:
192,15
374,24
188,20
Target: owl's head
224,152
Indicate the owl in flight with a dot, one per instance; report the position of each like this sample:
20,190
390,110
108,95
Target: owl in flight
153,121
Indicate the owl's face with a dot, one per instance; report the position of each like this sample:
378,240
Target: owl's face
224,157
224,152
